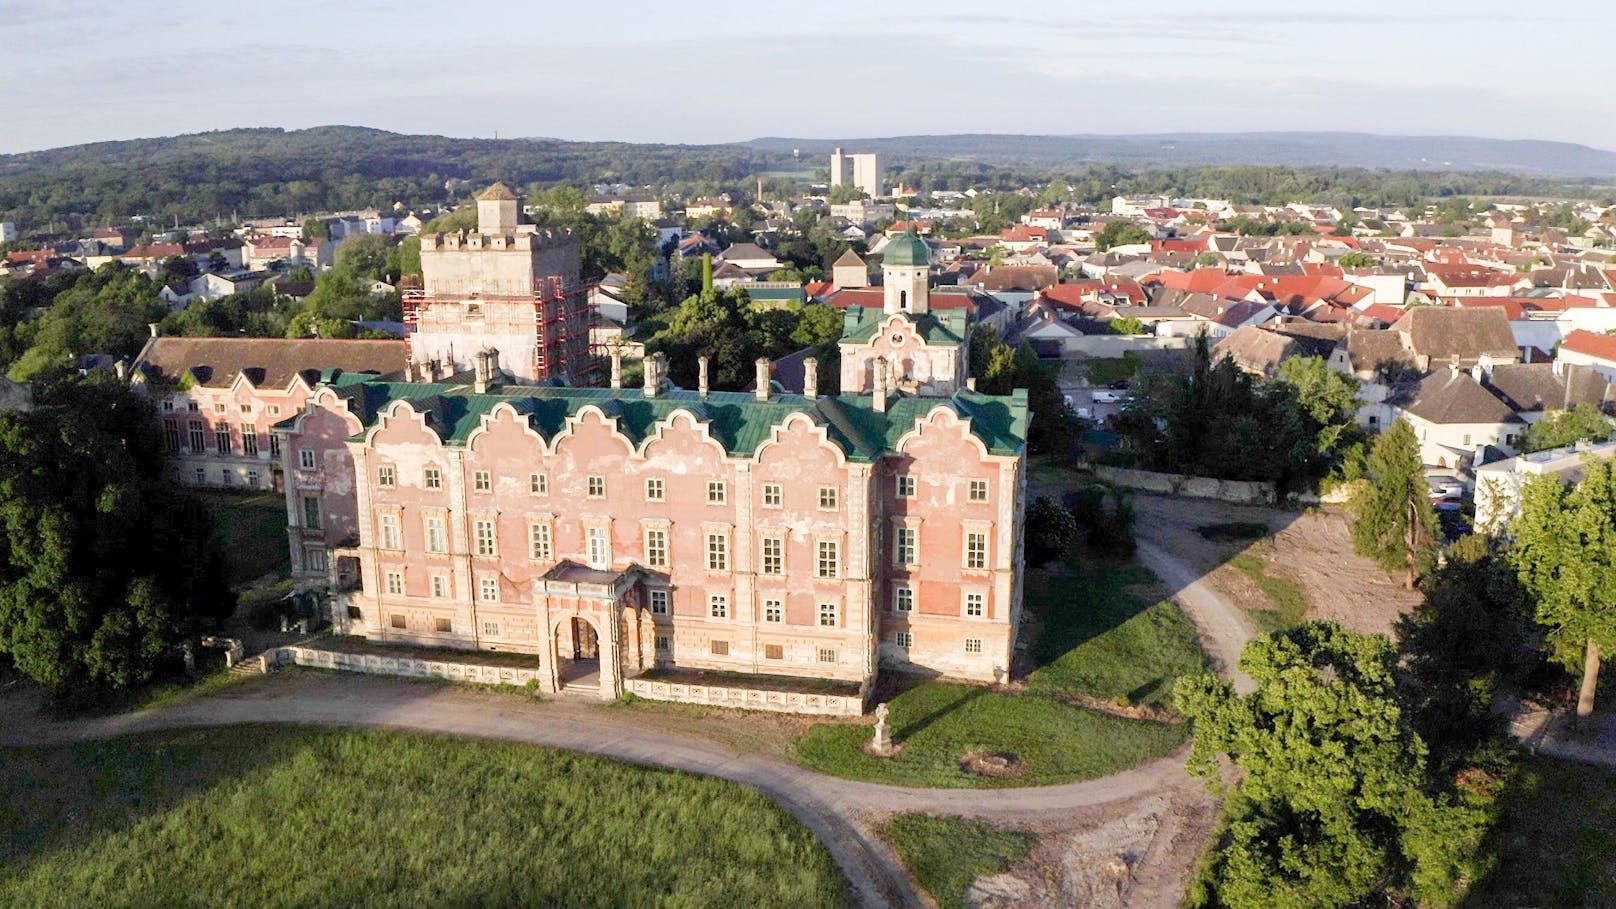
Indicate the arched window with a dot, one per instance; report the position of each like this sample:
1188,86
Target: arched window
903,300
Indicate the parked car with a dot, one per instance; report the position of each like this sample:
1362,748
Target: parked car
1447,503
1107,397
1444,487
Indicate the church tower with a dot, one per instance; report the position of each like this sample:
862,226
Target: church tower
906,347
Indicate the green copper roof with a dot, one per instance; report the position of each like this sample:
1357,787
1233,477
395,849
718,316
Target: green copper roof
906,249
945,326
737,420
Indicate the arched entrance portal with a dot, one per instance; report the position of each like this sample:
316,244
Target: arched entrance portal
577,649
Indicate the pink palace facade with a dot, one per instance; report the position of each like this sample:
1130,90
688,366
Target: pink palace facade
652,527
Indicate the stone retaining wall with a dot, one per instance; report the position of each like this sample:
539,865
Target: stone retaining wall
1240,492
375,664
748,698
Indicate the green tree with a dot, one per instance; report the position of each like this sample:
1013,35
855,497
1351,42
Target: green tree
316,229
1329,396
368,256
1559,428
104,311
1127,325
1357,260
1336,804
846,192
1120,233
104,564
1565,556
1000,369
1392,519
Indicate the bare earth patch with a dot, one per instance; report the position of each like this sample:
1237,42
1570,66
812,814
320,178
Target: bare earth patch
998,765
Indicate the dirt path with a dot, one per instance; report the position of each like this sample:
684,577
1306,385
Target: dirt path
1223,626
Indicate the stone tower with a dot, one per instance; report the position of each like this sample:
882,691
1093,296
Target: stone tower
906,275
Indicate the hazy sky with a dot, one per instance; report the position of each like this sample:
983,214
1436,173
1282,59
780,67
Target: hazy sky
85,70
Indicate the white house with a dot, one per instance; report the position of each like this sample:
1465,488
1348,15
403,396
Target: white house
1498,485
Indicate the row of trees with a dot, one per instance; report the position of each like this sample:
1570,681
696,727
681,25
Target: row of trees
1219,421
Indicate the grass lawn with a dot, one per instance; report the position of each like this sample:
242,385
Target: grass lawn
1105,370
252,529
1289,605
947,853
250,816
1099,640
1557,839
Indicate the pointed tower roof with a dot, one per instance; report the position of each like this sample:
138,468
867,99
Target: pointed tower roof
848,258
499,192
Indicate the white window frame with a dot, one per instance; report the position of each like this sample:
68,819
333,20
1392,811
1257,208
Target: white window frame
305,458
441,587
827,655
773,495
904,639
772,554
830,498
386,476
975,559
717,550
482,481
435,531
717,492
774,610
540,542
389,531
394,579
718,605
903,599
431,478
595,487
485,538
972,490
660,601
974,599
656,547
973,645
656,489
538,484
905,545
598,546
834,561
488,590
905,486
830,615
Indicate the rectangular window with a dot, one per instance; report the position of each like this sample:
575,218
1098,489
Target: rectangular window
221,438
827,655
305,458
249,440
976,605
274,446
274,410
597,487
437,538
538,537
314,559
903,639
976,551
979,490
444,626
252,478
718,606
664,643
386,476
432,478
829,563
538,484
227,477
198,437
483,531
219,408
973,645
311,512
903,599
440,586
395,583
773,652
771,495
717,492
171,435
656,547
905,546
600,548
827,615
392,535
482,481
192,406
773,611
201,476
490,629
399,621
906,486
659,602
717,551
827,498
720,648
168,406
488,590
246,408
774,555
655,490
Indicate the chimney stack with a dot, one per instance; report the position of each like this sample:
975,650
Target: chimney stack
617,370
152,327
762,378
122,369
810,377
701,374
479,367
970,384
653,377
409,370
880,394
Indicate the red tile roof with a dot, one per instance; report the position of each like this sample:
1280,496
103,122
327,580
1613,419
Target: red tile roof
1590,344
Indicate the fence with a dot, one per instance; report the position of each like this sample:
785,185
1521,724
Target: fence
748,698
